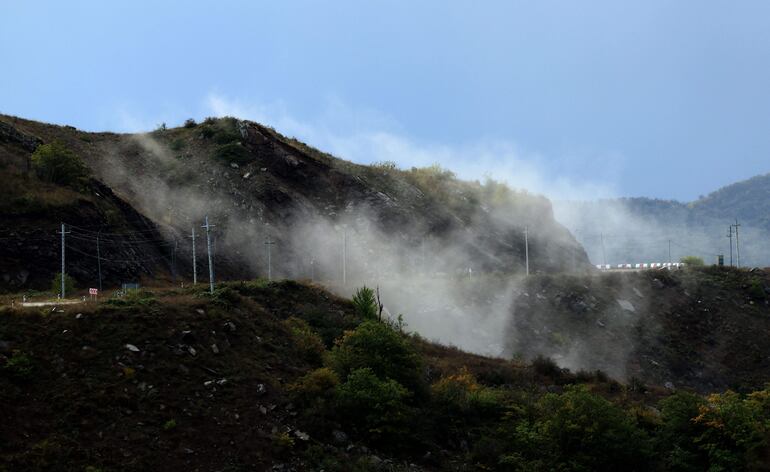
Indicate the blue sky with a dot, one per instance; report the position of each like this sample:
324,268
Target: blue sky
572,99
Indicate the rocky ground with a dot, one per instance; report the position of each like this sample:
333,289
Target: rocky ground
698,328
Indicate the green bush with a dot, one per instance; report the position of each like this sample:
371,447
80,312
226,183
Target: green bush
134,298
692,261
576,430
372,405
317,385
177,144
19,366
190,123
307,341
757,290
365,303
233,152
461,395
69,284
735,430
57,164
675,438
376,346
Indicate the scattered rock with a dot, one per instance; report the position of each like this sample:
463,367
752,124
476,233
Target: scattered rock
626,305
79,316
234,165
302,436
600,324
339,437
638,293
132,348
261,390
215,349
188,337
669,386
230,325
247,175
192,351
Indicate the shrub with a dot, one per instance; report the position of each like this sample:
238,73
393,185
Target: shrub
757,290
57,164
19,366
169,425
546,367
385,165
307,341
177,144
376,346
676,436
318,384
692,261
735,430
462,394
233,152
69,284
577,430
190,123
134,298
365,303
372,405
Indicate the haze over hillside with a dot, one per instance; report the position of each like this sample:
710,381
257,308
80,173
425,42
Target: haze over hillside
284,210
638,230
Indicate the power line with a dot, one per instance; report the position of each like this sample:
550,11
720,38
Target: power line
109,259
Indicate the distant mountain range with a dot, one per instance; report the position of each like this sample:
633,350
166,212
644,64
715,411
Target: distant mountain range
630,230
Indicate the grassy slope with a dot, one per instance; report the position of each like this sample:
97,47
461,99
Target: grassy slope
88,400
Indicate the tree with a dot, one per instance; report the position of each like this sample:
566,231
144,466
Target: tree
365,303
692,261
69,284
57,164
376,346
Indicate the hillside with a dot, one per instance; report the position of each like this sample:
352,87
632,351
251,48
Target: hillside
255,185
638,230
748,200
702,329
285,376
33,209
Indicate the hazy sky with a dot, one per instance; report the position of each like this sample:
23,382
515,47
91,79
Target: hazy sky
666,99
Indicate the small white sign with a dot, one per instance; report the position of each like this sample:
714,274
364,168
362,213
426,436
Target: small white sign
93,291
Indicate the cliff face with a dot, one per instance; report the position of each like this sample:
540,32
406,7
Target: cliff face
258,186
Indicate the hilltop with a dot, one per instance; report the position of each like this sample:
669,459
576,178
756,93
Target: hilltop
255,185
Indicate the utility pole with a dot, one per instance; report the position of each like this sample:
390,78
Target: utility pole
195,262
730,235
526,248
269,243
604,254
737,246
99,258
669,251
62,232
344,255
208,245
312,269
173,260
